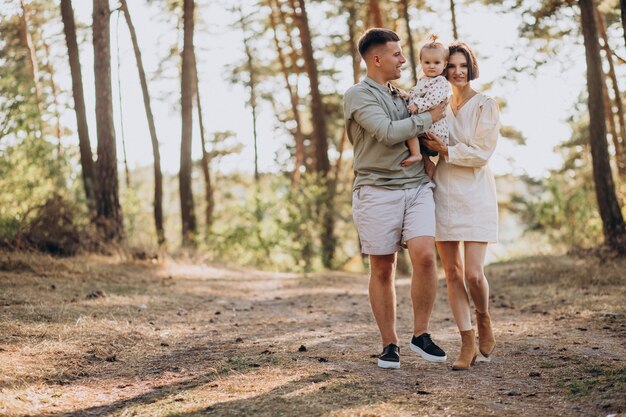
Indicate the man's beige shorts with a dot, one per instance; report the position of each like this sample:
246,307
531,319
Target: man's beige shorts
386,219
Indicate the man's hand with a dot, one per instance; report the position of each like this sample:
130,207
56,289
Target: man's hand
439,111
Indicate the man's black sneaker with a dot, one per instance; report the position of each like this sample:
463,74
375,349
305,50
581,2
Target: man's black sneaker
427,349
390,358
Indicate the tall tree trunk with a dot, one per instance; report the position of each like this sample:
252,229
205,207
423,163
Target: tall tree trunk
293,97
320,140
252,84
618,141
322,164
612,220
186,196
375,14
455,32
55,97
33,65
86,157
409,37
60,182
121,101
608,112
158,175
108,204
206,160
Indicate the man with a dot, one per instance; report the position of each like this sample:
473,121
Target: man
392,205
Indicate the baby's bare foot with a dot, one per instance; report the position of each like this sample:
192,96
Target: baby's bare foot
411,160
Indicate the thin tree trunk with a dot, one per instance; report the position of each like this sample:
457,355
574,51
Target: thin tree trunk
108,204
295,55
320,140
206,159
375,14
293,97
409,37
252,84
186,196
455,32
86,157
322,164
55,97
27,40
158,175
618,141
612,220
119,95
608,112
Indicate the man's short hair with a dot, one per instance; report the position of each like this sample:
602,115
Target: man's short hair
375,37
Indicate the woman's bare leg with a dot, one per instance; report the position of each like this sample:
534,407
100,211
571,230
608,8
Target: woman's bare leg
450,254
475,274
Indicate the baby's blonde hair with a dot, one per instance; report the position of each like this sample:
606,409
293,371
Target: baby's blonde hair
432,43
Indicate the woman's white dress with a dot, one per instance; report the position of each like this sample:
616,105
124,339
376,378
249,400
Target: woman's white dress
466,206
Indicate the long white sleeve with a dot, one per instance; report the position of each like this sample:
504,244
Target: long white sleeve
482,145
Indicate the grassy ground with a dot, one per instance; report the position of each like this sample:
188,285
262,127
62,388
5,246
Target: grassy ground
95,336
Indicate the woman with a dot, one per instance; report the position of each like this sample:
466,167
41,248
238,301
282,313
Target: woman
465,201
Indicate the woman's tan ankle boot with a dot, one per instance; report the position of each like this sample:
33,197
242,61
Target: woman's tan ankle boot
468,351
486,340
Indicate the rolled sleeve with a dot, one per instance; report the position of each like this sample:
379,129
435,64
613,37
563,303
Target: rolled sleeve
364,109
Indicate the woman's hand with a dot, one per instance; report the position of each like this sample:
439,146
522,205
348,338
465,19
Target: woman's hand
434,143
429,166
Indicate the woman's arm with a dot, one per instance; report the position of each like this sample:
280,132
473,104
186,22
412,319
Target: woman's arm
477,153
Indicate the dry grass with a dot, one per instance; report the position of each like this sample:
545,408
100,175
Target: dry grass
91,335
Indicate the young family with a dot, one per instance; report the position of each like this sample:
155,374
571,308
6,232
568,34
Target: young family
401,199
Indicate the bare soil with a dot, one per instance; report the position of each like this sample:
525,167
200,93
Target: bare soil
96,336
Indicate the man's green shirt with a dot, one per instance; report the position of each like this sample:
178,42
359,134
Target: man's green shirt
378,125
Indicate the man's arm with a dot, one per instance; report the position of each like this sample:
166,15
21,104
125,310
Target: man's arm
364,109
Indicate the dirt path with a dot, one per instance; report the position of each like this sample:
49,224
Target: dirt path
97,336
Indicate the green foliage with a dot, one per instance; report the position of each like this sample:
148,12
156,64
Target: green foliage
564,205
276,226
18,104
565,209
31,168
31,171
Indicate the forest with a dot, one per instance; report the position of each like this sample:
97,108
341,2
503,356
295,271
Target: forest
176,232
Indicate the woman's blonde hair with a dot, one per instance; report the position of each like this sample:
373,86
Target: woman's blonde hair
432,43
